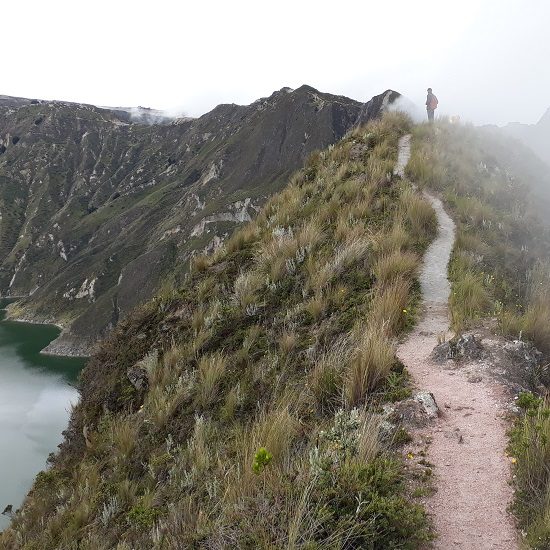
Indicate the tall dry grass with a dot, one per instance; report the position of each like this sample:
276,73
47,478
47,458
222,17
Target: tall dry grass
370,363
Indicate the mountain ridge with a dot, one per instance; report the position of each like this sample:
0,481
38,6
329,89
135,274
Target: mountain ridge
98,210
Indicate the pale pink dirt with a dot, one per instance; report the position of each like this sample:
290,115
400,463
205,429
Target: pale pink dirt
468,441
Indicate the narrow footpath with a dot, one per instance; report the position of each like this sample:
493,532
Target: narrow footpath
467,444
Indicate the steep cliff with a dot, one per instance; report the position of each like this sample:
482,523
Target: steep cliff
97,211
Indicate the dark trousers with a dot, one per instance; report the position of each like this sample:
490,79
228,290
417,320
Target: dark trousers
430,114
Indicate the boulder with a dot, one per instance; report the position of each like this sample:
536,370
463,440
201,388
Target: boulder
138,377
467,347
416,412
528,361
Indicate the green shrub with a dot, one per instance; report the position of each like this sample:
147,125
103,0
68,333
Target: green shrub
530,450
360,507
526,400
261,459
143,517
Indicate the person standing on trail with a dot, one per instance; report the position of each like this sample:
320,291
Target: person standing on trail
431,104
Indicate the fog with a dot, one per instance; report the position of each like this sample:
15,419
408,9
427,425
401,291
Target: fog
487,61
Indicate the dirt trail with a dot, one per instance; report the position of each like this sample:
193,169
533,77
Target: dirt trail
468,441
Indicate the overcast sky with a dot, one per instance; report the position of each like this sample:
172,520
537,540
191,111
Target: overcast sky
487,60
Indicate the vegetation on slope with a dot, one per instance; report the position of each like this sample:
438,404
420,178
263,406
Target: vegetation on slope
530,447
501,244
96,213
238,411
499,268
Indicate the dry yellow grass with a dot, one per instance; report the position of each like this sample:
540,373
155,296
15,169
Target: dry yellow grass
389,305
210,373
370,363
395,265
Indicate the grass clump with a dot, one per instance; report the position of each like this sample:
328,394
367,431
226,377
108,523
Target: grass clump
370,364
530,451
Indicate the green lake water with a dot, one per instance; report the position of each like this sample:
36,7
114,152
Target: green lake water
35,401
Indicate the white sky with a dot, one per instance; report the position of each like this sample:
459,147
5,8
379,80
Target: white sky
487,60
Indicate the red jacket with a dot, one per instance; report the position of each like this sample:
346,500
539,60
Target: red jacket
431,102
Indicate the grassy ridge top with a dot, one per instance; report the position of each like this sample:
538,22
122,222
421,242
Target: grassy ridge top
237,410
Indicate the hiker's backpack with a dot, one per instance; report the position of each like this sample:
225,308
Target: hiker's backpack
433,103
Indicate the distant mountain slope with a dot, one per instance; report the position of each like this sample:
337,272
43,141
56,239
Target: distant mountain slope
521,162
97,211
536,136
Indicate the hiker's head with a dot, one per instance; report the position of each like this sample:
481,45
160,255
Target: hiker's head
429,90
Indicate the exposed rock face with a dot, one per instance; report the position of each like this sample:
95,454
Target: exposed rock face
517,364
96,210
379,103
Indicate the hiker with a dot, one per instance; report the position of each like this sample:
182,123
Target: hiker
431,104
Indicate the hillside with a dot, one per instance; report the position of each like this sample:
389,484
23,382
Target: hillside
237,410
256,403
97,211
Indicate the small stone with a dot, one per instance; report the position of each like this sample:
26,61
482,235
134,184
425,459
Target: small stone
474,379
138,377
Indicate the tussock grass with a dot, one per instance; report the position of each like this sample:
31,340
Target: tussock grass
316,306
389,305
371,362
246,287
199,263
241,239
530,448
469,299
346,255
123,437
325,379
534,322
418,214
393,240
211,370
395,265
